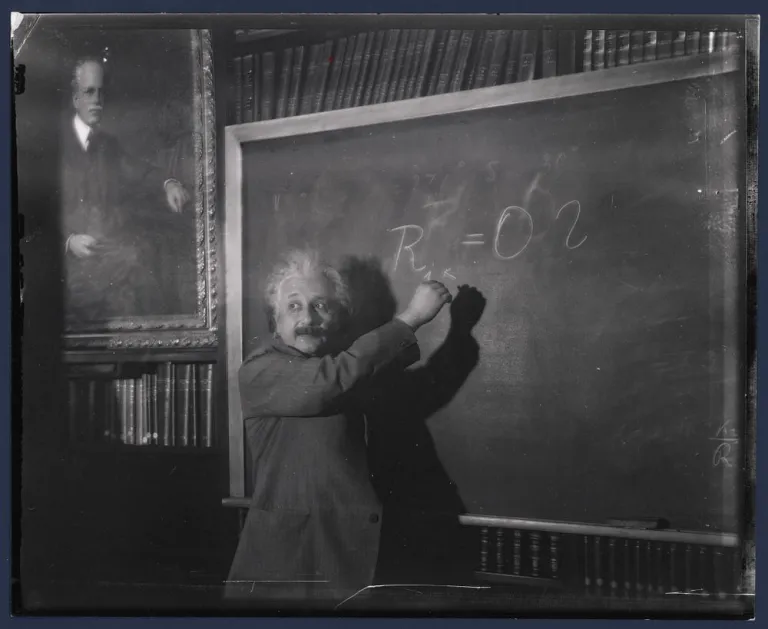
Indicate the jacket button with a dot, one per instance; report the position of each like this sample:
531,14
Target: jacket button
373,518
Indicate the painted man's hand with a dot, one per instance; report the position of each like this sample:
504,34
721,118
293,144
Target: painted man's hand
427,301
82,245
176,195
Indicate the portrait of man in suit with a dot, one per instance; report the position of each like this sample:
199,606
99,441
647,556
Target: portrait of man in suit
111,263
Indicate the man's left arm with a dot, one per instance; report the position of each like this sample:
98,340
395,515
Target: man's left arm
140,174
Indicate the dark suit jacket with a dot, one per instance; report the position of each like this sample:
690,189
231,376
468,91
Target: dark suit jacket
102,193
101,188
313,527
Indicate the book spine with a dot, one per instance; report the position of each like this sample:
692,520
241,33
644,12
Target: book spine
530,45
548,53
610,49
678,45
112,433
155,414
566,52
123,402
247,88
285,82
193,407
182,404
664,45
397,64
437,62
588,45
268,86
308,82
207,405
449,57
650,45
423,63
480,65
296,77
182,408
474,59
692,42
406,72
623,48
335,77
500,43
707,42
148,407
387,62
365,65
326,54
598,50
374,68
346,68
636,46
465,45
256,88
130,397
140,407
496,61
237,71
722,41
354,71
168,395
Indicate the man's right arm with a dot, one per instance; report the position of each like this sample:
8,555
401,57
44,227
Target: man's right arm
280,385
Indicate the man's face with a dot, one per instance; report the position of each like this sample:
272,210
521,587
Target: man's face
306,314
88,98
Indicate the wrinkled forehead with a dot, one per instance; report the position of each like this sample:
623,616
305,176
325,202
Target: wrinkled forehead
306,288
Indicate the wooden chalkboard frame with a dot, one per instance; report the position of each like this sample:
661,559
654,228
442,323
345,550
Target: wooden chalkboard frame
235,136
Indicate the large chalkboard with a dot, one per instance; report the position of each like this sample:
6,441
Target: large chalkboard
605,233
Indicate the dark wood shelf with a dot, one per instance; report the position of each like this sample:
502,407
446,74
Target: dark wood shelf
113,448
79,357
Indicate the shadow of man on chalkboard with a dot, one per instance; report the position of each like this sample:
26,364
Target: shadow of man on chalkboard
422,541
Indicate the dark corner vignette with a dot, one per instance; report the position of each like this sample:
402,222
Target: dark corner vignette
16,224
386,317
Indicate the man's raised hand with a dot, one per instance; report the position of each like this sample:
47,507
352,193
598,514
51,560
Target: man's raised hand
81,245
427,301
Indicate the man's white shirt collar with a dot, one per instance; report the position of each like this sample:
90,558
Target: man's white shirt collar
82,131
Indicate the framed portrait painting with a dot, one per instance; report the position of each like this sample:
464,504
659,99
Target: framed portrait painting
132,182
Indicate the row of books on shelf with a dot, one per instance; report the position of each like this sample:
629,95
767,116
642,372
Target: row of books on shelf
389,65
170,406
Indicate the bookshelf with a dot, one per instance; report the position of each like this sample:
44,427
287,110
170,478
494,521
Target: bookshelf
286,76
135,401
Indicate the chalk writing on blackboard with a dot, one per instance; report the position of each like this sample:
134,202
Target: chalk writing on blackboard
727,440
411,235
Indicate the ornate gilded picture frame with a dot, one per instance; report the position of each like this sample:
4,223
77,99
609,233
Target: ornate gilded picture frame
134,182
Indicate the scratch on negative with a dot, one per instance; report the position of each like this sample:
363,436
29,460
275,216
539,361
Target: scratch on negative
407,586
702,593
727,136
253,583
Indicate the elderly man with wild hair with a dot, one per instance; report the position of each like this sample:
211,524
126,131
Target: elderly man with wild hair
313,527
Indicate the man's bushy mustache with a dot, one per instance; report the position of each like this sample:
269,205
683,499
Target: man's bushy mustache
308,330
